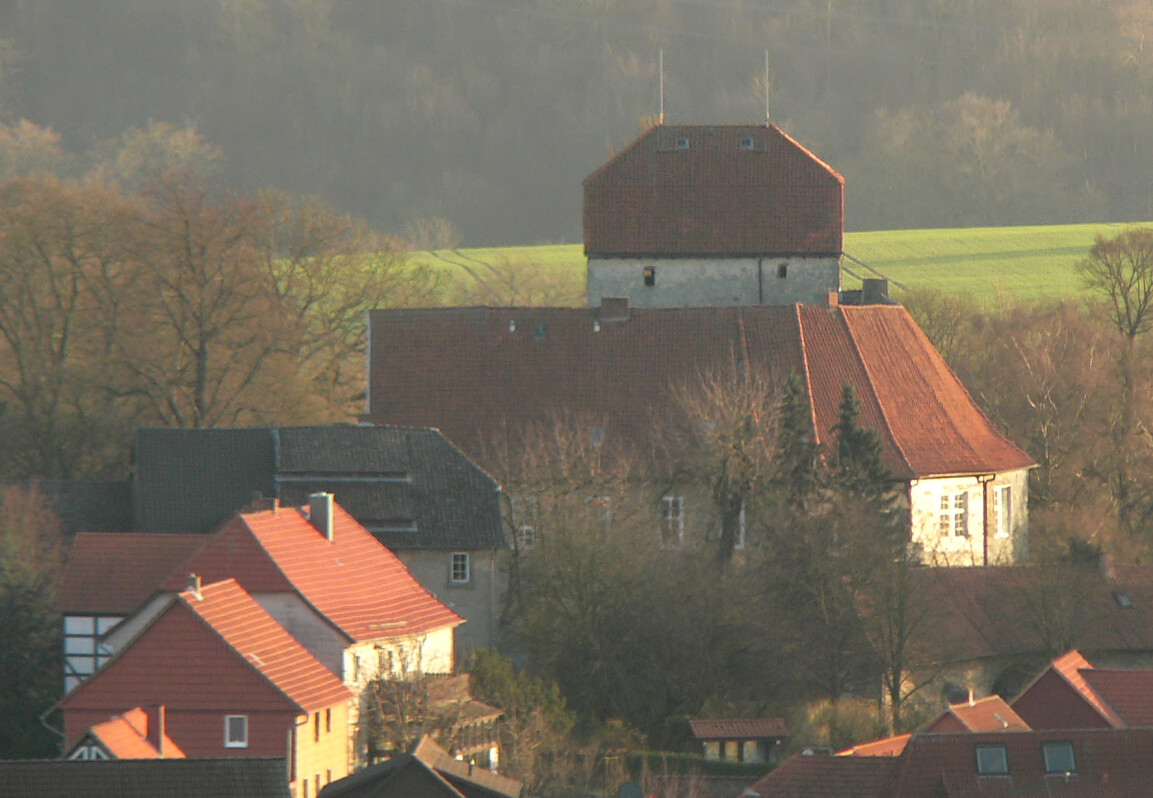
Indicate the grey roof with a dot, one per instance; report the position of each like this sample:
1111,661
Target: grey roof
411,487
249,777
84,505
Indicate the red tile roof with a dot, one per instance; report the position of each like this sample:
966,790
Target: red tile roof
740,729
115,572
1128,693
218,651
824,776
478,372
715,196
886,746
987,714
126,737
353,581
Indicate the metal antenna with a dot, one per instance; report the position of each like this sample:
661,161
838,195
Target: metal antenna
661,70
766,86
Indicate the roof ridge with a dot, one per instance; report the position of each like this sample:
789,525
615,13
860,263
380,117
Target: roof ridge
871,383
808,152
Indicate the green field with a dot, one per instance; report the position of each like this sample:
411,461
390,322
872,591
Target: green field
996,266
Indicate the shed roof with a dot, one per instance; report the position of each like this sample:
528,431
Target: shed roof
714,190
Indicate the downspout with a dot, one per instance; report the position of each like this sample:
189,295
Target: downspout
984,480
760,281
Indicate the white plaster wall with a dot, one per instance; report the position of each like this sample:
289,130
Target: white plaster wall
695,282
308,628
925,505
478,601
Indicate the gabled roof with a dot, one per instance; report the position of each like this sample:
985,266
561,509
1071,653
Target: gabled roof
428,772
168,662
411,487
886,746
740,729
353,581
714,190
988,714
481,373
1120,697
113,573
248,777
126,736
824,776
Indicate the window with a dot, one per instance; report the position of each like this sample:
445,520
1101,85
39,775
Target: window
316,727
681,144
458,573
747,143
1003,510
328,725
235,731
739,545
782,271
1059,757
384,661
953,519
650,275
672,521
991,760
525,514
87,753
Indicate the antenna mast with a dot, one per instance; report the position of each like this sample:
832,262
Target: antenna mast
766,86
661,70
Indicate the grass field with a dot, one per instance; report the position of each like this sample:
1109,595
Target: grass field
996,266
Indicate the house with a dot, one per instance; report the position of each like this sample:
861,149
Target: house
692,215
427,771
1072,694
411,488
1096,763
741,739
232,683
107,577
482,375
135,734
251,777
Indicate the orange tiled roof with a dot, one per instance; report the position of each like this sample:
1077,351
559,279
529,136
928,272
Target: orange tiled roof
714,189
476,373
1128,693
353,581
987,714
886,746
115,572
253,634
740,729
126,737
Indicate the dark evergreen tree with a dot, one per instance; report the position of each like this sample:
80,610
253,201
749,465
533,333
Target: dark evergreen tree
859,470
797,464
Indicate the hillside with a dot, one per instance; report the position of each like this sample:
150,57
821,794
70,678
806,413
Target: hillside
997,266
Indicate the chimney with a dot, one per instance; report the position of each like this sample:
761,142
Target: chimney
614,308
834,299
874,291
155,732
320,513
193,585
971,696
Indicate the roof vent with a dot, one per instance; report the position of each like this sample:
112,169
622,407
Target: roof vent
614,308
193,586
320,513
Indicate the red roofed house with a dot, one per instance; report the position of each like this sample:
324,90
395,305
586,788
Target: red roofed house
345,597
106,579
135,734
987,714
232,682
691,215
1071,694
480,374
741,739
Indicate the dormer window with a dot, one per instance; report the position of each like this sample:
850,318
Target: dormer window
1059,757
747,143
992,760
681,144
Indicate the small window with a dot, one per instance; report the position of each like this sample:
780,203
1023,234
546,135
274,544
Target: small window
316,727
1003,510
384,661
525,514
540,331
328,724
953,519
747,143
650,273
991,760
459,574
681,144
782,271
1059,757
672,521
305,793
235,731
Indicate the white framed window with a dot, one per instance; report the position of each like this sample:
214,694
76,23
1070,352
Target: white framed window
458,568
525,517
1003,510
672,521
681,144
235,731
953,518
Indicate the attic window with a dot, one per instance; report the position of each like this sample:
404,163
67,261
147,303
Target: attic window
748,143
681,144
782,271
1122,599
650,275
540,331
992,760
1059,757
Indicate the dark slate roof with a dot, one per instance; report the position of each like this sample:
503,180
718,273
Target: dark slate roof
193,480
85,505
249,777
727,190
390,479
